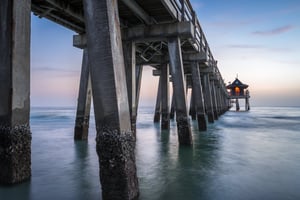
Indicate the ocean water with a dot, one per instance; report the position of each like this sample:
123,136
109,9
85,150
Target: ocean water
244,156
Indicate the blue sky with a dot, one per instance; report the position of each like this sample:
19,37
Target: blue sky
258,40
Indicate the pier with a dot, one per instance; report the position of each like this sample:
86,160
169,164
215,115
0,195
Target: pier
237,91
118,39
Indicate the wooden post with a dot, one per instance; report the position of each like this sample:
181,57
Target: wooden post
165,116
176,68
115,142
84,101
15,135
199,102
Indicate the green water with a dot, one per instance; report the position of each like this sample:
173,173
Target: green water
243,155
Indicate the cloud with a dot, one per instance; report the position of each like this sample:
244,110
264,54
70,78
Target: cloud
275,31
197,4
232,24
258,47
52,69
245,46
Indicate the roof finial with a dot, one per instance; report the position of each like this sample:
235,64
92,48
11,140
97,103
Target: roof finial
237,75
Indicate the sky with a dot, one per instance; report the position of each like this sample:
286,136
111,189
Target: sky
258,41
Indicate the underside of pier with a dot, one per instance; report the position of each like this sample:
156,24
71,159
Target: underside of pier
118,38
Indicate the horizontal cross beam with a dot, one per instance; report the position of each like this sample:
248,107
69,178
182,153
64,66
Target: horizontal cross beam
159,31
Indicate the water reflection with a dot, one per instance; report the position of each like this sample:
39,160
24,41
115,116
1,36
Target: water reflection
173,171
83,172
14,192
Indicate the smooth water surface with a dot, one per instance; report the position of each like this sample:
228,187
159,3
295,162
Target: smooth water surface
243,155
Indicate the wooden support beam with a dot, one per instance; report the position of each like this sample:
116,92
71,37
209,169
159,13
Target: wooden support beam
199,102
84,101
176,68
15,135
115,142
165,115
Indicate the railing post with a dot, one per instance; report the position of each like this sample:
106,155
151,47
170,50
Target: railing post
182,10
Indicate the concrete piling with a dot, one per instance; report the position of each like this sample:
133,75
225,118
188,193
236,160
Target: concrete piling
237,105
198,96
247,105
139,75
157,111
176,68
115,141
214,100
84,101
172,110
208,98
130,68
192,111
165,116
15,135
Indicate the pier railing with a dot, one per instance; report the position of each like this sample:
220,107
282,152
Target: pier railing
185,12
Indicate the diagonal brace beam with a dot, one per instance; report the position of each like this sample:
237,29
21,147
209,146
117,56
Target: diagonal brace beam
138,11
